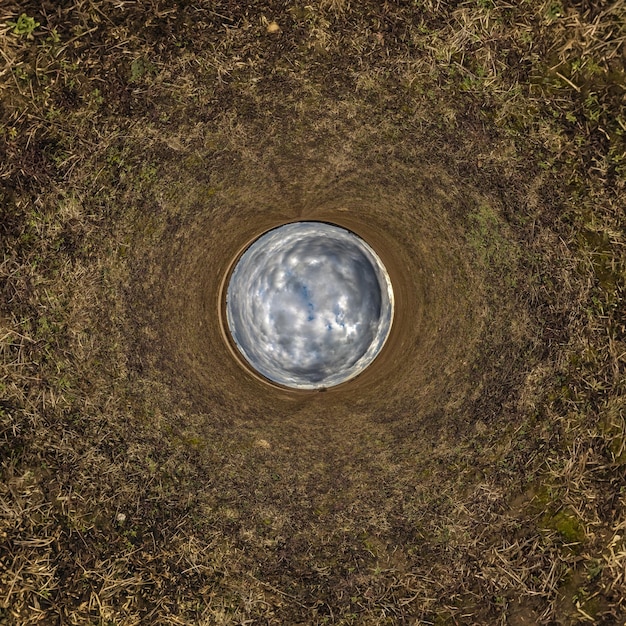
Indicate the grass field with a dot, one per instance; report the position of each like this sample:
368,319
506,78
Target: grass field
475,474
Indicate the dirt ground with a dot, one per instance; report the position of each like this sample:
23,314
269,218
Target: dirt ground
475,474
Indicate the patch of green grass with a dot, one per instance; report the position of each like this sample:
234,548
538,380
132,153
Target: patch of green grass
25,26
140,68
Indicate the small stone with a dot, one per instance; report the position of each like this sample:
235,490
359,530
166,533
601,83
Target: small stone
121,518
273,27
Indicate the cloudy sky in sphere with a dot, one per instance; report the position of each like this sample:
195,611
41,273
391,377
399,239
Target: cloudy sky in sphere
309,305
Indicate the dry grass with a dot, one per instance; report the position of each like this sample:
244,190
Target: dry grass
145,480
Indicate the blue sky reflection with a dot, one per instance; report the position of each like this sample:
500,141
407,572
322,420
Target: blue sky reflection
309,305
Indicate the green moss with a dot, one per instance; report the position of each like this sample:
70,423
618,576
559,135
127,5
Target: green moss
567,525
